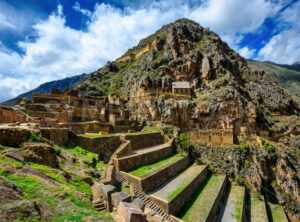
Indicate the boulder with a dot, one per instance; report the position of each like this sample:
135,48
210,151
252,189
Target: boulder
40,153
118,197
14,156
129,212
10,192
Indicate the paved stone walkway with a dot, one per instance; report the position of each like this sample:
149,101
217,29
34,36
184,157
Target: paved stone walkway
147,150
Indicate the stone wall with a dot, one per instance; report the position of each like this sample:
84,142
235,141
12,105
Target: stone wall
153,181
88,127
104,146
58,136
141,52
7,116
128,163
174,206
213,136
13,136
140,141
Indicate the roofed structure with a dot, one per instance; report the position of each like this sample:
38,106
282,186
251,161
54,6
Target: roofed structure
181,88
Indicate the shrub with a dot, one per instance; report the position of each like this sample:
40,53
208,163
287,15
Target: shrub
33,137
184,141
57,150
244,147
269,147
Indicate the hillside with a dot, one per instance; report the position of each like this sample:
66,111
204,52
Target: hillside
223,85
46,87
288,76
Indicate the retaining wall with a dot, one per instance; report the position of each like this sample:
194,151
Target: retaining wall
213,136
58,136
104,146
155,180
7,116
174,206
140,141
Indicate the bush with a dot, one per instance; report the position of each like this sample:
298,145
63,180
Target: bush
33,137
244,147
184,141
269,147
57,150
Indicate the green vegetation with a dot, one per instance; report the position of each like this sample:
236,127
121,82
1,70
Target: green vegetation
244,147
277,212
69,201
180,187
184,141
269,147
149,169
33,137
238,197
258,209
201,202
94,135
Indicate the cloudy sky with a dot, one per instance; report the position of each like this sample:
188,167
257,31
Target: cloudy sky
52,39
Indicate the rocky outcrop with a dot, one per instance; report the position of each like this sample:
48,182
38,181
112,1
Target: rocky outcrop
40,153
227,94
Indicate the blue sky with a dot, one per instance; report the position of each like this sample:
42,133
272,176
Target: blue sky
51,39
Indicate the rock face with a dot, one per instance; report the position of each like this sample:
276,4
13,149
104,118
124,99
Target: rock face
227,94
40,153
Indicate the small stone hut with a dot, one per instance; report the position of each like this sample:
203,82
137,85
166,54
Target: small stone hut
181,88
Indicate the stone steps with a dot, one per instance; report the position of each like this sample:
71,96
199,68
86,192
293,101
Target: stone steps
258,211
206,200
234,209
143,156
148,203
172,195
277,213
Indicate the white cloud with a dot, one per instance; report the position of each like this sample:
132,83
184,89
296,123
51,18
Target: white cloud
59,51
284,48
77,8
4,23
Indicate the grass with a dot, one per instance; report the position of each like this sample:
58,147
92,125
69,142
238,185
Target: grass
237,193
258,209
60,204
149,169
202,200
95,135
180,187
277,211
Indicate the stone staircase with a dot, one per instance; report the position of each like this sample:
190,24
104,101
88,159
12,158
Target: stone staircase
178,190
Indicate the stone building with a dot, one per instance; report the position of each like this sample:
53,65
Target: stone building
181,88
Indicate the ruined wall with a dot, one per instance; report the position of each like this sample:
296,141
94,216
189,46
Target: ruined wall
104,146
58,136
7,116
88,127
13,136
213,136
140,141
141,52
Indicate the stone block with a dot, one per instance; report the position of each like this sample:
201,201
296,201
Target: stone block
120,196
139,203
129,212
14,156
107,191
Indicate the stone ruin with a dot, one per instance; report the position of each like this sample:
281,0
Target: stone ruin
66,109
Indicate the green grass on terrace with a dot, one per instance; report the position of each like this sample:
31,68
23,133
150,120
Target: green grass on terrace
277,211
95,135
180,187
201,202
149,169
238,195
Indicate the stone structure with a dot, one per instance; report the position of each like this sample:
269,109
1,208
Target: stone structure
66,109
8,116
213,136
141,52
181,88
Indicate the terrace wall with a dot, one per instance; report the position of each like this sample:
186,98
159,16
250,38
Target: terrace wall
140,141
104,146
153,181
214,136
7,116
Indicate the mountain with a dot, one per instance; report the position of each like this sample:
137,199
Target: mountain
288,76
46,87
227,93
